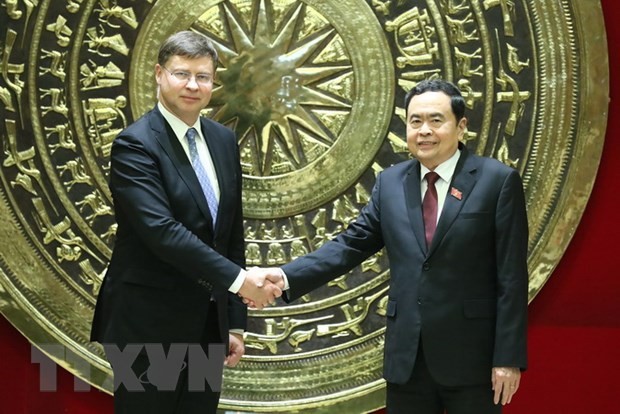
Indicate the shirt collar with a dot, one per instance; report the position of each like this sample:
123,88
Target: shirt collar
178,127
445,170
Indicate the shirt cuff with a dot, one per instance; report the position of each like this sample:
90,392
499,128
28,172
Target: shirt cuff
237,331
286,285
234,288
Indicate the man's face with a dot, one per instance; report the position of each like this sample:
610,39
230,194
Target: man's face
185,98
432,131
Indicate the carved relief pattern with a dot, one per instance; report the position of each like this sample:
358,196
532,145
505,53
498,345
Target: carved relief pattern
314,90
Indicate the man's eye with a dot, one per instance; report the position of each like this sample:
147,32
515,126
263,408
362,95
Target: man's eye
182,75
203,78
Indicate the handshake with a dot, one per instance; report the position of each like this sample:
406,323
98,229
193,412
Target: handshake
262,286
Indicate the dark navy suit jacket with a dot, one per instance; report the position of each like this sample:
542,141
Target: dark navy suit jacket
466,296
167,261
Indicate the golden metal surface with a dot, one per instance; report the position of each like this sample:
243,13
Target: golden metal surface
314,90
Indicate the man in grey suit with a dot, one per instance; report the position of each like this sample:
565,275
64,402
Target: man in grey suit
457,246
178,259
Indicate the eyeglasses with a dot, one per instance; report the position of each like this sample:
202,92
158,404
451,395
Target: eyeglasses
183,76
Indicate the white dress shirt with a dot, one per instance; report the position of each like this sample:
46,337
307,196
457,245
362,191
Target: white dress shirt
180,129
445,170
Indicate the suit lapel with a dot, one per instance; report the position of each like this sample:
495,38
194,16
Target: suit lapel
414,203
172,147
463,181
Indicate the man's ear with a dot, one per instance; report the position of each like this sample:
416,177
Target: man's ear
462,126
158,73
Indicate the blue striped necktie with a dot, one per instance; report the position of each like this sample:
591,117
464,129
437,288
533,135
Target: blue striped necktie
201,174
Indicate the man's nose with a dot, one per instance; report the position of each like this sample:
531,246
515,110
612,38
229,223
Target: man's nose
425,129
191,83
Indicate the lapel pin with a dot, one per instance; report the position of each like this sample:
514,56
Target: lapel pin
456,193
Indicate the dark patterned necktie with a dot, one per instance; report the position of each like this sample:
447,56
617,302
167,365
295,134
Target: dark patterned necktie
429,207
201,174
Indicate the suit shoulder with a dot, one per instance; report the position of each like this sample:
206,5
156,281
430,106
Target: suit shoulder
494,166
217,127
137,127
399,169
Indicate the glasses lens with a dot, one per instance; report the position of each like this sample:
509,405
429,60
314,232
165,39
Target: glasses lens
182,76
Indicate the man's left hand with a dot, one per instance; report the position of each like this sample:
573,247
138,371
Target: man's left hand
236,349
505,382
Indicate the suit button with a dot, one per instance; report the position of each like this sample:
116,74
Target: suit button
426,266
419,301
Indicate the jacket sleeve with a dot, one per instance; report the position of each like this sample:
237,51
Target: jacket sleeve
360,240
512,275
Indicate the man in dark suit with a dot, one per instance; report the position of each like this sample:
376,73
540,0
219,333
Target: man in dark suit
457,301
178,259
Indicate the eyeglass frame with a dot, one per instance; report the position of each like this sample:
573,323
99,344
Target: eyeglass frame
186,76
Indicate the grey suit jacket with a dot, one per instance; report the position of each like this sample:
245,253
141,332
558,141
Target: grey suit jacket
466,297
167,260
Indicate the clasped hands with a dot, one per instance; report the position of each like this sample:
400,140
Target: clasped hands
262,286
